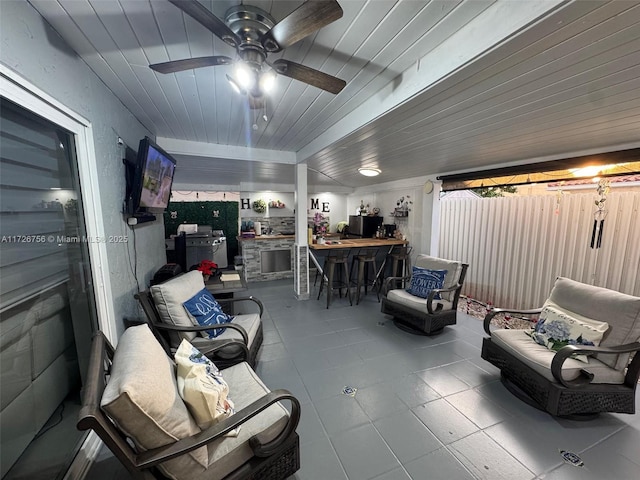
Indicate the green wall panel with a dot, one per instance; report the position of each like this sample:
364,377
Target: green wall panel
220,215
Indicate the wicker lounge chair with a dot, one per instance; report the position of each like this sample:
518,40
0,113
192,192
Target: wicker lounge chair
170,322
430,313
603,380
131,400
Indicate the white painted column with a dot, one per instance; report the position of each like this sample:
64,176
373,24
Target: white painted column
431,219
301,245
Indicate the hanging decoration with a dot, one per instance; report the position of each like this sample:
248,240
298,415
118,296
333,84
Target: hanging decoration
600,213
559,194
260,206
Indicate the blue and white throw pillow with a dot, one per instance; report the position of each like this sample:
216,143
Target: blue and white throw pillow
423,280
207,311
557,328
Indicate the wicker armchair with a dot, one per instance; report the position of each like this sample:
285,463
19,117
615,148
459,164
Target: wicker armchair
131,400
170,322
604,379
425,316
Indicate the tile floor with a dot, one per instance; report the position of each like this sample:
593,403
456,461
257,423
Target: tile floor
425,407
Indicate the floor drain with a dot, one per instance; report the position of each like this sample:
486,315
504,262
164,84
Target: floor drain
571,458
351,391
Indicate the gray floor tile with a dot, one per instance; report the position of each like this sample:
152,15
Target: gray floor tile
379,402
310,362
272,352
340,413
328,383
397,415
397,474
487,460
413,391
433,356
534,450
318,461
440,464
443,381
470,373
363,453
408,439
446,423
375,348
480,410
342,356
310,428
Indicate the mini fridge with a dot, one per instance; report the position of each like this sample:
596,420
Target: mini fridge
364,226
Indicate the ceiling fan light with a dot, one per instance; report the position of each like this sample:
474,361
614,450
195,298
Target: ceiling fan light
245,76
235,85
369,172
268,81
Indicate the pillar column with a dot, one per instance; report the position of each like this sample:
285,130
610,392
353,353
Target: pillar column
301,245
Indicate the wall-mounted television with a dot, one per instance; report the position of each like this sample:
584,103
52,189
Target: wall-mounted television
150,180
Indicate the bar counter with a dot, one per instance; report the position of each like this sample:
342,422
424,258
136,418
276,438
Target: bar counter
358,243
318,249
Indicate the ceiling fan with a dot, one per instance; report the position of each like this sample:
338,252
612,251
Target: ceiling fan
255,34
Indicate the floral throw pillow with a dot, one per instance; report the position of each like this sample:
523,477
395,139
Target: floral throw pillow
556,329
207,311
423,280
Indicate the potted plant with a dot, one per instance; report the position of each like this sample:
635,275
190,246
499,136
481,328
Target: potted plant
208,268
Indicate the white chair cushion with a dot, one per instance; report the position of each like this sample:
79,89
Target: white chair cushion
142,398
453,268
169,297
228,453
588,302
401,296
539,358
250,322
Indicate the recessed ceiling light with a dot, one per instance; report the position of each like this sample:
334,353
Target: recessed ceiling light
369,172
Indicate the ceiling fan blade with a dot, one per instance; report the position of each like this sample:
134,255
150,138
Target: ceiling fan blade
309,75
304,20
200,13
190,63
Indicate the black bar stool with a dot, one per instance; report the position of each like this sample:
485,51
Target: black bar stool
400,261
335,257
367,269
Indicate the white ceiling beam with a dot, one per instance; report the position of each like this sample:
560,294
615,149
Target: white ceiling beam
497,23
231,152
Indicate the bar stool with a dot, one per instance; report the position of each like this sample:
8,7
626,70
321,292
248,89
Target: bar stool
367,267
400,259
337,257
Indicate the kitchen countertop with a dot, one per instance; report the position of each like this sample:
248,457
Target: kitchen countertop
357,243
268,237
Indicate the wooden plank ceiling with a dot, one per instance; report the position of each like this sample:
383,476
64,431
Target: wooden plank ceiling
564,83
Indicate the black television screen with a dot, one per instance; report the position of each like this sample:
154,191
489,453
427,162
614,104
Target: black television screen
154,177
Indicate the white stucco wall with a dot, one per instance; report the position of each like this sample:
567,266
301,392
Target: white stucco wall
421,227
33,49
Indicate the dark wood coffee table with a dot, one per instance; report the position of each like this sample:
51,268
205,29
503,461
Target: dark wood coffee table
225,289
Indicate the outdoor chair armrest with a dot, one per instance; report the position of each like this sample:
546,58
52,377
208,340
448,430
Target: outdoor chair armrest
158,455
388,283
220,344
227,301
201,328
435,292
586,377
495,311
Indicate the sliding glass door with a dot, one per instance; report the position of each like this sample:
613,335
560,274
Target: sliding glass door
47,303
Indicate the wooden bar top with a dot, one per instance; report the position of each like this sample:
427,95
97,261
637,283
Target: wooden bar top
357,243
